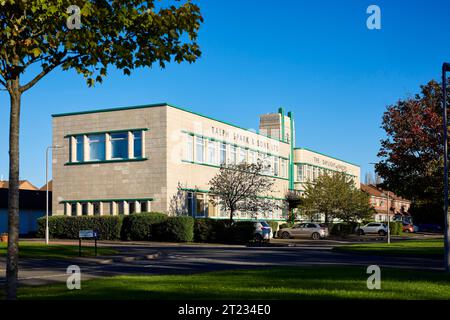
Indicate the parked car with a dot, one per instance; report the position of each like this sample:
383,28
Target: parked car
429,227
312,230
408,228
263,231
373,227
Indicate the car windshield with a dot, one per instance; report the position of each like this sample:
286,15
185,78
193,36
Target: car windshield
264,224
322,225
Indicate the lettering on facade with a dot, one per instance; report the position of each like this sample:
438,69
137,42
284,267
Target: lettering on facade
243,139
330,164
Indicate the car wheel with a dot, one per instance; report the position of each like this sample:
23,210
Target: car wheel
382,233
258,237
360,232
315,236
285,235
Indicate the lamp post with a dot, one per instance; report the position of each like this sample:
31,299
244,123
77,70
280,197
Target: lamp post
445,69
46,190
388,219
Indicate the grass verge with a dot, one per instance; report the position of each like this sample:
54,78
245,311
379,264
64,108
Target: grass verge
54,251
424,248
271,283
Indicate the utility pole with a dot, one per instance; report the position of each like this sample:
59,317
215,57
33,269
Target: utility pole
445,69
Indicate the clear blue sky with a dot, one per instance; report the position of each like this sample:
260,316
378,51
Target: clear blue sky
315,58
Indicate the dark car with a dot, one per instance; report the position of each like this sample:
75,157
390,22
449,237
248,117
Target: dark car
429,227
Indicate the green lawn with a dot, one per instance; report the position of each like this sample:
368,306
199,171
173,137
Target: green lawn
54,251
428,247
269,283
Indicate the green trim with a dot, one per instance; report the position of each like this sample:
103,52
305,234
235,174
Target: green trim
281,111
217,166
313,165
106,200
101,132
208,191
153,106
231,144
243,219
292,143
323,154
104,161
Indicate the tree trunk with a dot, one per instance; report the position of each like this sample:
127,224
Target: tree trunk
231,216
326,218
13,195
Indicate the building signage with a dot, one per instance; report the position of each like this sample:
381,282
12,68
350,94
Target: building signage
330,164
87,234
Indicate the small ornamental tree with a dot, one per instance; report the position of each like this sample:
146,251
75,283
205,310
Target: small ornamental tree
87,36
243,187
177,204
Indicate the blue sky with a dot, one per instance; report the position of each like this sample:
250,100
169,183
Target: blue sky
315,58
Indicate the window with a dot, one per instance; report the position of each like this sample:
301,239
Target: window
190,203
119,145
144,206
275,167
132,207
199,149
223,153
84,209
252,156
96,208
79,146
233,157
200,205
137,144
73,209
300,172
212,150
121,207
242,155
96,147
190,147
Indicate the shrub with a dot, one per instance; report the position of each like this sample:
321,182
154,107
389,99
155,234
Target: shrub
208,230
177,229
342,229
140,226
240,232
395,228
65,227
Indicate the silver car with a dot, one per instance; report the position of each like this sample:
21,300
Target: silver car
311,230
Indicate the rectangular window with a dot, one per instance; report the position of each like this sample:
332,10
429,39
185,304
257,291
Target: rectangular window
137,144
132,207
96,147
190,203
233,155
283,168
242,155
84,209
300,172
223,153
252,156
212,151
144,207
121,207
119,145
275,167
96,208
200,205
73,209
199,147
189,148
79,145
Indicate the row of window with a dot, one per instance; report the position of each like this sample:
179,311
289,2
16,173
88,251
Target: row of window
99,208
107,146
203,150
309,173
202,205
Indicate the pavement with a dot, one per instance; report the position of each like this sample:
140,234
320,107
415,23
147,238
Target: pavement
153,258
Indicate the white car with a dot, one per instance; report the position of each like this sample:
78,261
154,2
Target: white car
311,230
263,231
373,227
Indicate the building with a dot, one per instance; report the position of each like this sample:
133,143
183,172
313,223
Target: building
382,199
133,159
23,185
31,207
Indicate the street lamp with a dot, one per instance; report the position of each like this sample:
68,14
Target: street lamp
46,190
445,69
388,220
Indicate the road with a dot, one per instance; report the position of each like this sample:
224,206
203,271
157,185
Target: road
165,258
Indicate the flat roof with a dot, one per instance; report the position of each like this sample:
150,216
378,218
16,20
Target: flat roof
162,104
326,155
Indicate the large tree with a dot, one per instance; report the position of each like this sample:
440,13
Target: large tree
243,187
412,153
335,196
37,36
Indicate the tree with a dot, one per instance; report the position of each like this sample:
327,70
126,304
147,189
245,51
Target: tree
335,196
37,35
177,204
412,152
243,187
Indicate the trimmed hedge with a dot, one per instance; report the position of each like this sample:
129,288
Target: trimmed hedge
395,227
343,229
209,230
177,229
140,226
65,227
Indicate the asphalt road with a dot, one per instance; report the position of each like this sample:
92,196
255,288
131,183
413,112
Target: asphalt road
164,258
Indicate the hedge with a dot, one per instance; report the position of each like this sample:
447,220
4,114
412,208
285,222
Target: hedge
66,227
140,226
177,229
343,229
221,231
395,227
